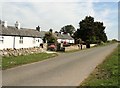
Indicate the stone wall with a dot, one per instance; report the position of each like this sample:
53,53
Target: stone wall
74,47
22,51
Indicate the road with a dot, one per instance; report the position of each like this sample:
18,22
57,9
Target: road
68,69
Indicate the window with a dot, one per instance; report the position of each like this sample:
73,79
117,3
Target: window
21,40
1,39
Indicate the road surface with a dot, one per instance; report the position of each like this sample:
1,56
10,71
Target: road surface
68,69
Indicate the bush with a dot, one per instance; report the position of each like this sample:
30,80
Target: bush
50,37
114,40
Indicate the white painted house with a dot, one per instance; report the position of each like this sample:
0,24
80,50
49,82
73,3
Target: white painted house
64,38
15,37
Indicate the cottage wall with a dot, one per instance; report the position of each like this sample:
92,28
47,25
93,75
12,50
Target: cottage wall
71,41
59,40
14,42
26,42
6,42
67,40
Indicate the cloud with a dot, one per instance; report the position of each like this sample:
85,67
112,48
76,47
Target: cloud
59,1
57,14
47,14
0,10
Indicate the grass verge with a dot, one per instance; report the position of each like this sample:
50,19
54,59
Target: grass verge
106,74
12,61
71,51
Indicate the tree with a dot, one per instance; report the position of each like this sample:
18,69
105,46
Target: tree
56,32
90,31
100,33
68,29
50,37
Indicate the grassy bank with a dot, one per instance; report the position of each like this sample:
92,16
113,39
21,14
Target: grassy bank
12,61
106,74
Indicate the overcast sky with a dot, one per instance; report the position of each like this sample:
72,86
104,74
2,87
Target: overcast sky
58,14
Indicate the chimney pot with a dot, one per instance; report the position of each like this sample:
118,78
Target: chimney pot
4,24
17,25
38,28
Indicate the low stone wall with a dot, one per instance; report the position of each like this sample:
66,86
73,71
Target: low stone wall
18,52
92,45
74,47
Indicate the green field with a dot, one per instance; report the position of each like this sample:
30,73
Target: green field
12,61
106,74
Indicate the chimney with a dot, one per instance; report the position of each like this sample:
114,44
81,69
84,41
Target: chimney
17,25
38,29
4,24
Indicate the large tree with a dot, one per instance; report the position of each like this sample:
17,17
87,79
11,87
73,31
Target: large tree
68,29
100,31
91,31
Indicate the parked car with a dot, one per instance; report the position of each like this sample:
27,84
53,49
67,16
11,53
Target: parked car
52,47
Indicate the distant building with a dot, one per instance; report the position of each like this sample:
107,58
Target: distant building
64,38
17,37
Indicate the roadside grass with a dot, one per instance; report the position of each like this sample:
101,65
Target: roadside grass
105,74
71,51
104,44
12,61
75,50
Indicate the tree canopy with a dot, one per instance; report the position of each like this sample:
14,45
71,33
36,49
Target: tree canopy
50,37
68,29
91,31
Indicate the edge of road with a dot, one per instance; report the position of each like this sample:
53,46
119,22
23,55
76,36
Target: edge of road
51,58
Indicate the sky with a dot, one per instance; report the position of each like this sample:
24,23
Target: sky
56,14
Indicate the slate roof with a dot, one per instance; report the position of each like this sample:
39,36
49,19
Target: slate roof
63,36
12,31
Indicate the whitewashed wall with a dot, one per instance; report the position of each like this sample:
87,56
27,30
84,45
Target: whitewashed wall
59,40
28,42
7,42
38,43
67,40
72,41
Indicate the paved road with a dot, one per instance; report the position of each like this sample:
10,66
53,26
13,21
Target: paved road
64,70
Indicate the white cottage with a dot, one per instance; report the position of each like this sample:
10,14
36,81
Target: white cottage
64,38
15,37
